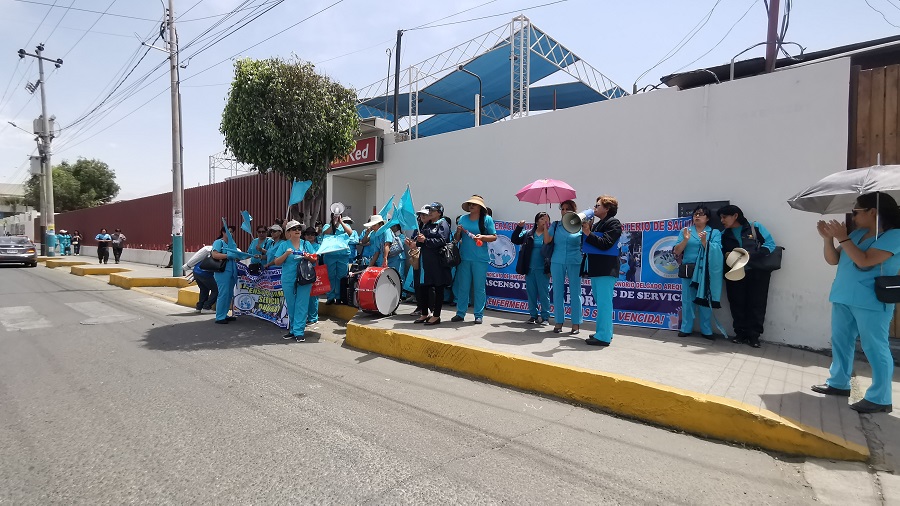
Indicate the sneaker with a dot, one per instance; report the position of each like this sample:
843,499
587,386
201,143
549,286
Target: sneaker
478,320
300,339
531,321
288,336
457,318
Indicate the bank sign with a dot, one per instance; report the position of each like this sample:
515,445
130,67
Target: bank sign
365,152
647,293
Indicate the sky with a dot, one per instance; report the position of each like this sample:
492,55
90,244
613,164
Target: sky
347,40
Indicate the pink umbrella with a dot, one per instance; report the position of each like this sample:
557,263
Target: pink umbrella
546,191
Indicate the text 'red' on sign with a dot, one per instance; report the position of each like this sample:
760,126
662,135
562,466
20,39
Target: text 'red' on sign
366,151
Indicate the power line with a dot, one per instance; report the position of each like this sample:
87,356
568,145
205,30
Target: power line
116,15
456,14
684,40
488,17
40,24
753,4
882,14
60,20
89,29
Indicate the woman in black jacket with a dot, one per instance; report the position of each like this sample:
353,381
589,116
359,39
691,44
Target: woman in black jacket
534,266
601,263
434,278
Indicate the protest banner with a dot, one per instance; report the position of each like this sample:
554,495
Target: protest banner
260,296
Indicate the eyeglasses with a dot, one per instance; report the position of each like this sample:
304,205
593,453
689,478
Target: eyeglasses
858,209
598,206
261,231
294,229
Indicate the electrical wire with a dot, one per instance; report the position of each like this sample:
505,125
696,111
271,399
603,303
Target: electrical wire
41,23
453,15
488,17
684,40
59,21
753,4
89,29
83,10
882,14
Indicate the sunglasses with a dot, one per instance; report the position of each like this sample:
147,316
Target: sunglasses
294,229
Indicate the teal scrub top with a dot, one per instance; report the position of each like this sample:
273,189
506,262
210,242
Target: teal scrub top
856,287
566,246
537,259
380,237
468,250
267,244
220,245
692,250
270,252
289,267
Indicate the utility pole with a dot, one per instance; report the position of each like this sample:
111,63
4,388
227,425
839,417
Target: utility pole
772,41
177,174
397,81
48,241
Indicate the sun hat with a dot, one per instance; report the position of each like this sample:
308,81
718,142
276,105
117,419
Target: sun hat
374,220
291,224
477,200
737,260
276,227
347,219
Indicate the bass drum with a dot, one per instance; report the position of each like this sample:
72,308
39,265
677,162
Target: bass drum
378,290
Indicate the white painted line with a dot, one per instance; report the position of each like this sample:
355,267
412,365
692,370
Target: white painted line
99,313
22,318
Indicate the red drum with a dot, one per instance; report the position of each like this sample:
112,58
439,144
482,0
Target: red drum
379,290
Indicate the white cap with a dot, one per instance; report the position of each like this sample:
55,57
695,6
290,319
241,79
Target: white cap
291,224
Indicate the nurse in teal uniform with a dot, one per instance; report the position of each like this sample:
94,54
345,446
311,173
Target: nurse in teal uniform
225,280
566,262
338,261
312,314
296,297
700,245
861,256
474,231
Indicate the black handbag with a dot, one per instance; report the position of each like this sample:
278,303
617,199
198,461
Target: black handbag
212,265
887,289
686,271
770,262
306,271
547,249
450,255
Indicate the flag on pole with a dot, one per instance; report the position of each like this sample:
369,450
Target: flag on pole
386,208
298,191
407,212
247,224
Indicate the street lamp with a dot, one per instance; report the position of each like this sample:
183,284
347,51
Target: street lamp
20,128
477,97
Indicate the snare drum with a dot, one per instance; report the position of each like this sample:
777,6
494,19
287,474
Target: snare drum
379,290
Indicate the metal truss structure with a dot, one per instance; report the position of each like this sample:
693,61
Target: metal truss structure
525,41
222,161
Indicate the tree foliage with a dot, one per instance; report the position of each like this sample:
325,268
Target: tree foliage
284,117
86,183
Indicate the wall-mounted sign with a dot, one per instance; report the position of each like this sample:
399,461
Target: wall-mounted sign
366,151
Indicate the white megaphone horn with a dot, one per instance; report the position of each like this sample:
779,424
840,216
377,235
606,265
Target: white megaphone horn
572,222
337,208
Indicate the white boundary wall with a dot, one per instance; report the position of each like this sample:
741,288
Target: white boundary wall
755,142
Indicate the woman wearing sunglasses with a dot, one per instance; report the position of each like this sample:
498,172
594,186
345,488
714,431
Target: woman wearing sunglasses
565,262
276,235
861,256
259,246
701,246
296,297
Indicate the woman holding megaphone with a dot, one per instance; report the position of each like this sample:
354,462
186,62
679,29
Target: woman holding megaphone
565,261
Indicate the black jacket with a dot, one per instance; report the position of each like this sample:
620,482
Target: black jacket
528,248
604,235
436,236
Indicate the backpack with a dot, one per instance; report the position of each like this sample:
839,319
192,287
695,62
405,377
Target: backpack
306,271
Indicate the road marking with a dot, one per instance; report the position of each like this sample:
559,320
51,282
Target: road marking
100,313
22,318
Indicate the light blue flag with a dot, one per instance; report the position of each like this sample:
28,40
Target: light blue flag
387,207
298,191
247,224
407,212
237,253
228,232
333,243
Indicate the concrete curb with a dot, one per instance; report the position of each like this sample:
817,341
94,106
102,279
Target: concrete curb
128,282
695,413
52,263
89,270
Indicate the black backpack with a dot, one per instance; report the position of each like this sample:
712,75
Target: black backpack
306,271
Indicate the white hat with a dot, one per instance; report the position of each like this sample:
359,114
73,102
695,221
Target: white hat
276,227
374,220
291,224
347,219
737,260
425,210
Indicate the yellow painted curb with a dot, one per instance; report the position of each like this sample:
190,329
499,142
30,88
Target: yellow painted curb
189,296
42,258
128,282
699,414
339,311
90,270
60,262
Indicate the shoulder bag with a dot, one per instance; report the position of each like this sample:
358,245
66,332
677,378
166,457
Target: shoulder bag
306,271
770,262
450,255
212,265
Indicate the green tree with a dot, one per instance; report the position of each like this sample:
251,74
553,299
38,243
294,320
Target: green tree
284,117
86,183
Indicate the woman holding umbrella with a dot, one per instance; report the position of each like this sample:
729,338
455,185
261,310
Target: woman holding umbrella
861,256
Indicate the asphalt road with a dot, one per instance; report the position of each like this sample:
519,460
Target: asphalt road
109,396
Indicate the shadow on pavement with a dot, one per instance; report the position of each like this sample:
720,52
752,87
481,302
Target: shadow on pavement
206,335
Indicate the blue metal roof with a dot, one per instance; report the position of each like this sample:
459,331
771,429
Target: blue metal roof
450,100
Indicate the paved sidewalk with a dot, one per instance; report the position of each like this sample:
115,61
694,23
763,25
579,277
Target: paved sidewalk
772,379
